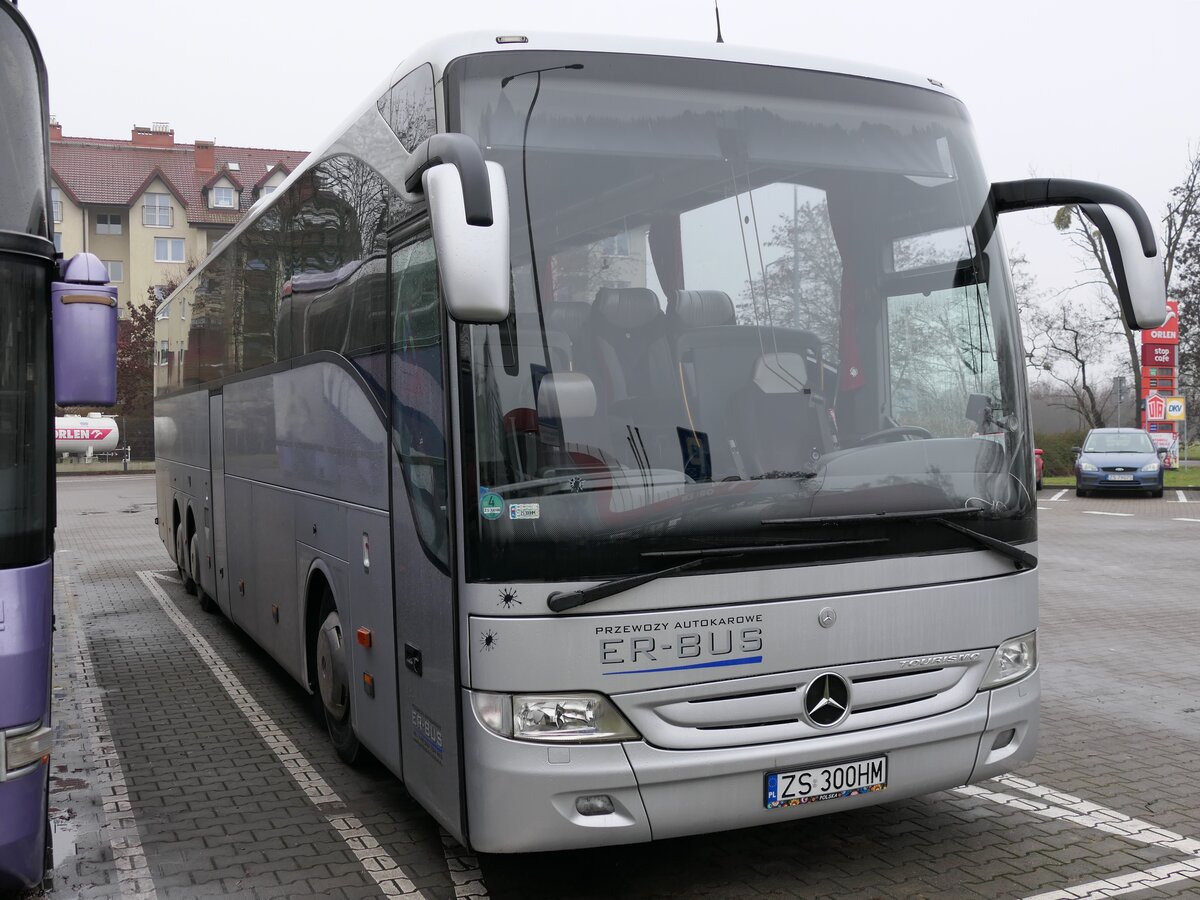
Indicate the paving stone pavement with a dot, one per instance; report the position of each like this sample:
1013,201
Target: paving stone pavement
163,788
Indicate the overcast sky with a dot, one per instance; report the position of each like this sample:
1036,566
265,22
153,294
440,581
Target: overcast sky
1099,90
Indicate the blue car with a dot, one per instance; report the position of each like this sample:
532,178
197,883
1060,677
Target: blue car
1118,459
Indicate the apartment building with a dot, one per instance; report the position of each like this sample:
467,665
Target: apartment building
149,206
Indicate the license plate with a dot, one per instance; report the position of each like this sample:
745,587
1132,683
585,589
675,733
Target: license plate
845,779
1120,478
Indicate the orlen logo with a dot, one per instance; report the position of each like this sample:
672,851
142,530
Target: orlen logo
81,434
1169,330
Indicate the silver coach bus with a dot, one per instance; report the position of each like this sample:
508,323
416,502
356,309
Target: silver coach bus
628,439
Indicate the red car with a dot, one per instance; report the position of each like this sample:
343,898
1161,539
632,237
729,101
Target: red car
1038,463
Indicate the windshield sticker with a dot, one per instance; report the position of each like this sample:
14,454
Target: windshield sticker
491,506
524,511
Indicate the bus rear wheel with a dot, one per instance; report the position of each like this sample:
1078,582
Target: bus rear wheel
333,681
206,602
181,561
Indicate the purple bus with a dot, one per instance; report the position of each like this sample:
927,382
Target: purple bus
38,309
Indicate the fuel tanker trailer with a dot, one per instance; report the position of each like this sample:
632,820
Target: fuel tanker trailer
85,435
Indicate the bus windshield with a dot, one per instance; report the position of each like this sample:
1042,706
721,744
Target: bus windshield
751,306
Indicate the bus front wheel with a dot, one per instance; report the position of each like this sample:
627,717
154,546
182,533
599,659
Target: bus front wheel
333,681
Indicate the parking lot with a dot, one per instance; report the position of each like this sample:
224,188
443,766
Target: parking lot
188,764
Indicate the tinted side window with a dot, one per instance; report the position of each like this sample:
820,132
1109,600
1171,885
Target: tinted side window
409,110
418,426
295,281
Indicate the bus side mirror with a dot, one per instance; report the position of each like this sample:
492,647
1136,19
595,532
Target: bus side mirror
468,211
1125,228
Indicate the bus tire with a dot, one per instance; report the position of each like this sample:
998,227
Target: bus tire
206,602
189,584
333,681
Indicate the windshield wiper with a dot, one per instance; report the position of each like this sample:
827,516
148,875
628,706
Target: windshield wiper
938,516
1004,548
563,600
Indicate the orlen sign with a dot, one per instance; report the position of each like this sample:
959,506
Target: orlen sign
78,434
1168,331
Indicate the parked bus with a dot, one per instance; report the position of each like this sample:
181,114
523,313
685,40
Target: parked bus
627,439
84,316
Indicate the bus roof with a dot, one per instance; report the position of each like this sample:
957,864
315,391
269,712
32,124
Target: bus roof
442,51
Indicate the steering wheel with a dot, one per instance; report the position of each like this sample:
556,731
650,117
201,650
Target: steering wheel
895,433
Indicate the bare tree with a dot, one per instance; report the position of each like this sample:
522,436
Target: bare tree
1070,345
1180,220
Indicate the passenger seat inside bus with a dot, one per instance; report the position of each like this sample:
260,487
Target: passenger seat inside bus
750,397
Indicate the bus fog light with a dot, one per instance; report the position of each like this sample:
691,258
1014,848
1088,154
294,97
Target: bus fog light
28,748
568,717
1013,659
594,805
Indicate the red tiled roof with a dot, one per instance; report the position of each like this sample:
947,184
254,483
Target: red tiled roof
99,171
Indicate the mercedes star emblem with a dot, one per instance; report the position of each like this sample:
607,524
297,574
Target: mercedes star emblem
827,700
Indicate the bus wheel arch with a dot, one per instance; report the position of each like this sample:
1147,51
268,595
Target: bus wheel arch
329,665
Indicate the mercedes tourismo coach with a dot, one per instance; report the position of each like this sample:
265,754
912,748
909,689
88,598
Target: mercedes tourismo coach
627,439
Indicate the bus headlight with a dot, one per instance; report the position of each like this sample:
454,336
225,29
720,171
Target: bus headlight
1013,659
25,749
564,718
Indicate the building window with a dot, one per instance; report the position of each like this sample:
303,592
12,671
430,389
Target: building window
58,241
56,203
156,210
108,223
116,270
617,245
163,352
169,250
268,189
223,198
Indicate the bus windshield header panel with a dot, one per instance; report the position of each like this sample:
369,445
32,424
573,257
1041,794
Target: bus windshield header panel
753,308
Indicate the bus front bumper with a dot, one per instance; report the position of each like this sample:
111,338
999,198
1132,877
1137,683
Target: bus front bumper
22,828
522,796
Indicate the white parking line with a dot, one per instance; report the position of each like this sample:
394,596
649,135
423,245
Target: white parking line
1058,496
1185,520
376,861
1182,496
1043,507
1096,512
1129,883
1059,805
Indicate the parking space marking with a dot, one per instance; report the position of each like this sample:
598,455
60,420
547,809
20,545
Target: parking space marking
1043,507
1129,883
375,860
1052,804
1096,512
463,867
1185,520
133,875
1058,496
1182,496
